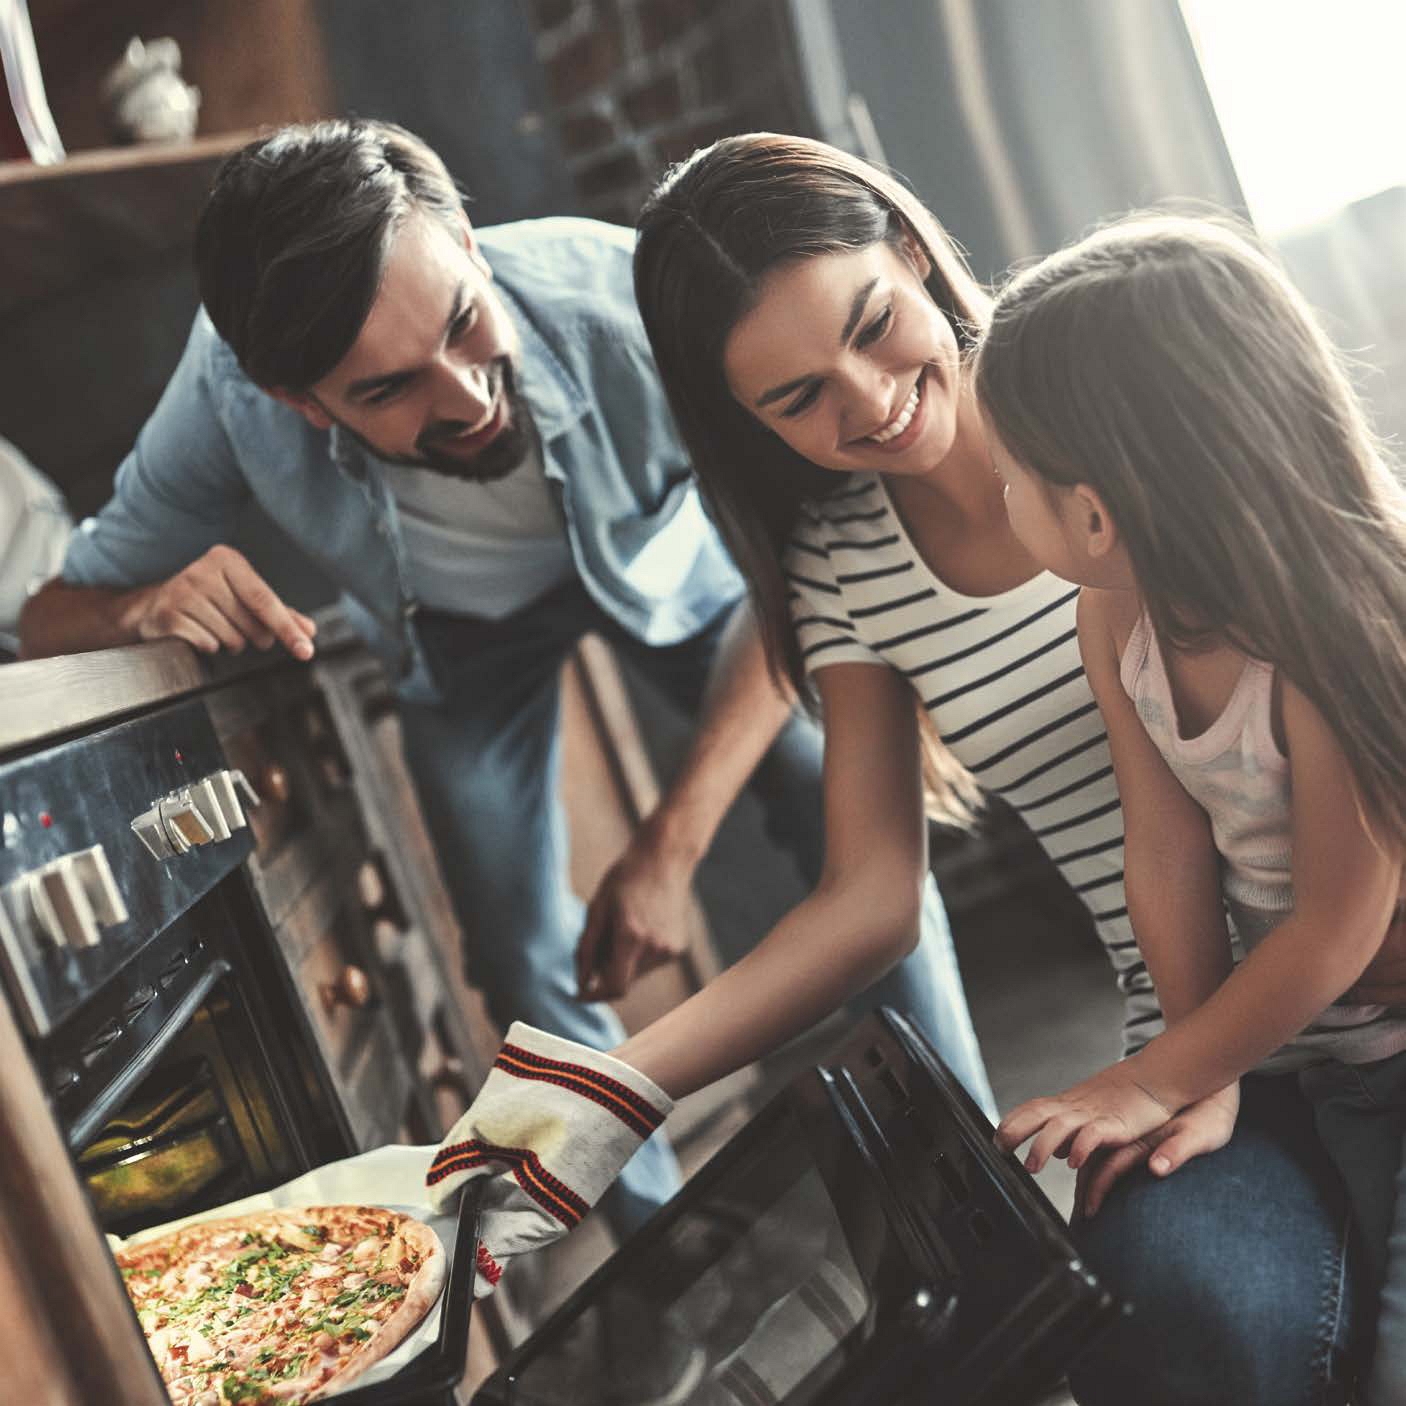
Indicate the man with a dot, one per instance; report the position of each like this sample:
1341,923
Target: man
465,431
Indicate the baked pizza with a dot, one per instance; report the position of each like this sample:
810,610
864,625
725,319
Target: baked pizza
285,1305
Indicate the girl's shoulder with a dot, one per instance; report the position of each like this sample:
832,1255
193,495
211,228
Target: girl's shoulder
1109,618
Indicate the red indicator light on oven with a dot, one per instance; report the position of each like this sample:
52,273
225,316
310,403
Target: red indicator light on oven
45,819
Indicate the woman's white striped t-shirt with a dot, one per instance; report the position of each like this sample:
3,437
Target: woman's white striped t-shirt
1002,680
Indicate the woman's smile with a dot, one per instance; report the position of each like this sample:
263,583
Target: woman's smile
898,433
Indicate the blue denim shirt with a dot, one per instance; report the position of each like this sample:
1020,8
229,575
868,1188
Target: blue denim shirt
642,544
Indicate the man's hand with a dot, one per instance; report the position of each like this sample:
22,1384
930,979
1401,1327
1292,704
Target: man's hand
1109,1110
1383,983
638,919
1199,1128
220,602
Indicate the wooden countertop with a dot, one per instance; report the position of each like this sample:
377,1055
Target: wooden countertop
42,698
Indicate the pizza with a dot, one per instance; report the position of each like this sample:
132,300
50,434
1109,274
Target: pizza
281,1305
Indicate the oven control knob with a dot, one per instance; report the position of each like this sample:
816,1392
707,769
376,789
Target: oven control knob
95,874
147,827
217,798
217,805
185,826
75,896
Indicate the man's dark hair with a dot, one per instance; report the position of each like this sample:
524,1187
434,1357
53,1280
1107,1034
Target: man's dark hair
292,243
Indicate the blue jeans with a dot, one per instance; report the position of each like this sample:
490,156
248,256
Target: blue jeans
1387,1380
485,760
1360,1111
1239,1270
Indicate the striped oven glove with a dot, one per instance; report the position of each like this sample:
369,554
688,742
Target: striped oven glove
552,1127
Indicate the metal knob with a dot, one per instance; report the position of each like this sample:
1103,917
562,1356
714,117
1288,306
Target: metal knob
376,889
207,811
370,886
183,822
70,899
276,783
352,988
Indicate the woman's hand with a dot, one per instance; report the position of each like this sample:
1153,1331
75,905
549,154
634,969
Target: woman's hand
549,1131
1199,1128
1112,1109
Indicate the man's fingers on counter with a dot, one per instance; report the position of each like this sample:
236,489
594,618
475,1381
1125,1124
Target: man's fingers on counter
260,599
245,621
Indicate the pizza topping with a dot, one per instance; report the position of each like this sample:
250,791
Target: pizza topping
267,1309
199,1349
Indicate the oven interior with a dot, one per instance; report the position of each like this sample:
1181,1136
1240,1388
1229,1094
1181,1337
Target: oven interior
204,1093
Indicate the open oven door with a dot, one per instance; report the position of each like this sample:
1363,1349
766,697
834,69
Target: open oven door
859,1243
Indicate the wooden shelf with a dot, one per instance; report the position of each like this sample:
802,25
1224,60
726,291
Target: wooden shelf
154,155
101,211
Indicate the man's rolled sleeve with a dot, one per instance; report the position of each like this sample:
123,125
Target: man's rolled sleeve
177,493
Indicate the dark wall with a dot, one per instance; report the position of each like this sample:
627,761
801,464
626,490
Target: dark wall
466,78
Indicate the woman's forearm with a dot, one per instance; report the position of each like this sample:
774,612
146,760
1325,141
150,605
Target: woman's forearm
826,950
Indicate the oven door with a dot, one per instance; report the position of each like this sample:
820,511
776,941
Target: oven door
858,1243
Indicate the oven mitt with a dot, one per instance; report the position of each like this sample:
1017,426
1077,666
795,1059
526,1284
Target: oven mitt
552,1127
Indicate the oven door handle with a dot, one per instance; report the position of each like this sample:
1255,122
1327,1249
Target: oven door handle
91,1120
869,1141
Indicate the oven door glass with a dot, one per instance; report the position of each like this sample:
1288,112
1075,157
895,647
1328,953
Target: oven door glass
746,1288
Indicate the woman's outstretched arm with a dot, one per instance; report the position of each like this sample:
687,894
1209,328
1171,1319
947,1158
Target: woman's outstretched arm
862,918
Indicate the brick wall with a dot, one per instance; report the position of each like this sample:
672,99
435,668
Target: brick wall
637,84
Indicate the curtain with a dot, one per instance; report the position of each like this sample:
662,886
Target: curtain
1021,123
1352,268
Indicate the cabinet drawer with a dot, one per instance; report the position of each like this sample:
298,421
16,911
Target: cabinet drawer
340,992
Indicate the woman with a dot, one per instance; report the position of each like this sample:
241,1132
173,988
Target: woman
811,323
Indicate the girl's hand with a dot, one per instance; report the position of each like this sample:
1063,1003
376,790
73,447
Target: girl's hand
1109,1110
1199,1128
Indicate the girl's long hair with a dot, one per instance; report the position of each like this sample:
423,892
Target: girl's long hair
709,234
1169,364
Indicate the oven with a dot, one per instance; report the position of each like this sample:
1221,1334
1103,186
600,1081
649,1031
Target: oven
146,983
162,1052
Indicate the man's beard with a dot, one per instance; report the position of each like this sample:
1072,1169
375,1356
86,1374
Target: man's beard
495,460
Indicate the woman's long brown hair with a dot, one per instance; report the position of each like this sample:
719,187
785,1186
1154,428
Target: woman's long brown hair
708,235
1169,364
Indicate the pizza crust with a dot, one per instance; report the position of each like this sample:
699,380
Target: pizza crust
420,1296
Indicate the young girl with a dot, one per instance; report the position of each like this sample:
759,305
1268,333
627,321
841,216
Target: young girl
1175,434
